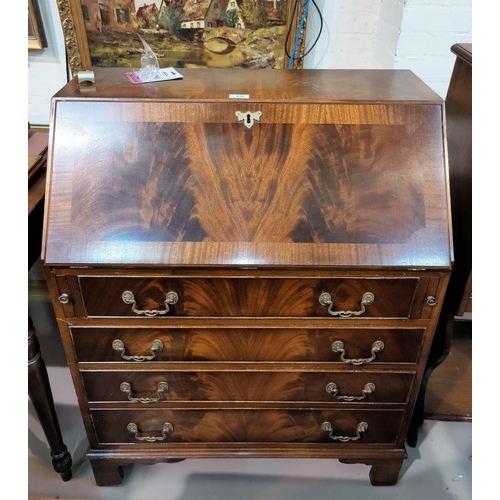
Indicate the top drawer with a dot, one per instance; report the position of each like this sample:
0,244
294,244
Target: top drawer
248,297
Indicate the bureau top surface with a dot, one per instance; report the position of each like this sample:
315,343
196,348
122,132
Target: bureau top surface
261,85
315,168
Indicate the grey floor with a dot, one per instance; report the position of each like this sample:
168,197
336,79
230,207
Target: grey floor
439,468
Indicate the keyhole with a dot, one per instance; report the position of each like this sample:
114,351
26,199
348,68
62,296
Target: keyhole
248,118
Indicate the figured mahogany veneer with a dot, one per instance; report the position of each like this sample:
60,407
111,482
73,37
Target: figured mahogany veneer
95,345
246,386
228,289
220,297
245,426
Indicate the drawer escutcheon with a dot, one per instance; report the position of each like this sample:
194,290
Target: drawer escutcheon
248,117
432,301
64,298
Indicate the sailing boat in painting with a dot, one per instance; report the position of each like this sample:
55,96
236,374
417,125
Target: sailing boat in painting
188,33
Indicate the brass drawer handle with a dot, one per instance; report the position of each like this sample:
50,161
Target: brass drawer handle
325,299
327,427
332,388
338,346
157,346
127,388
167,427
129,299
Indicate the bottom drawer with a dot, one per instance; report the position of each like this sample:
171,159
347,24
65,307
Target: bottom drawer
234,425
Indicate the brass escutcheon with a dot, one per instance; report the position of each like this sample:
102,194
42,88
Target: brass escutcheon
248,117
64,298
432,301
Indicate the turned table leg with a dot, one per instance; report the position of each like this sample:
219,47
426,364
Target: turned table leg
41,396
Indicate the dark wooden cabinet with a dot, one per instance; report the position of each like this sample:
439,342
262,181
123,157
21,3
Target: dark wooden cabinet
254,277
459,137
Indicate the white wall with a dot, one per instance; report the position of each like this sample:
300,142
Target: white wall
46,67
402,34
388,30
356,33
428,30
408,34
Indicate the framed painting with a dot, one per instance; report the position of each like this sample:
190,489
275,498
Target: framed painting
36,34
184,33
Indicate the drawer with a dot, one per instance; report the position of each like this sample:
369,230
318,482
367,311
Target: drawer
156,387
265,344
247,297
159,427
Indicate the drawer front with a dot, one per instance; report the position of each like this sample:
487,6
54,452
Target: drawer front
164,427
206,344
156,387
247,297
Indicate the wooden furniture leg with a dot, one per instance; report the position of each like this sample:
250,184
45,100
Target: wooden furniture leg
385,472
106,473
41,396
242,286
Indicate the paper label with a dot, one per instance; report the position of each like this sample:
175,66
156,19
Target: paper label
161,76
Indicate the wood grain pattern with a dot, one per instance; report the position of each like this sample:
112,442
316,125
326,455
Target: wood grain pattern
245,386
341,187
195,426
315,86
186,184
243,344
459,138
247,297
272,184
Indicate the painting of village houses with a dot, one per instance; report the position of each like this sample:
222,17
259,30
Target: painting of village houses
187,33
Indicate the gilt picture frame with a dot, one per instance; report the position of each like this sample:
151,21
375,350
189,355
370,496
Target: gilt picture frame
36,33
184,33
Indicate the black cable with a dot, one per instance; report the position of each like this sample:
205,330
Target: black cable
68,73
320,28
290,29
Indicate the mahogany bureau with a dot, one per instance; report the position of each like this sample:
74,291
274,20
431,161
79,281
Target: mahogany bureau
248,263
